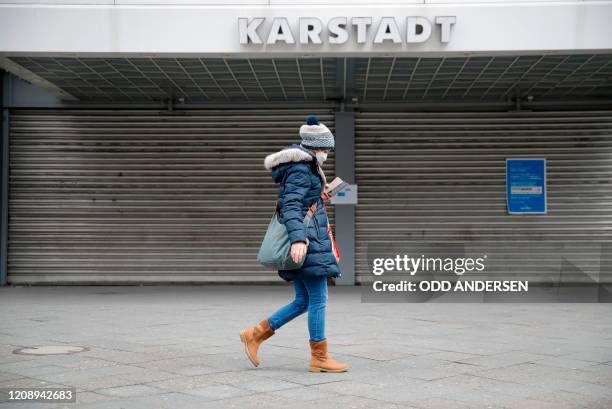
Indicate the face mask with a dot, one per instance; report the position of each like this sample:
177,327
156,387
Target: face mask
321,157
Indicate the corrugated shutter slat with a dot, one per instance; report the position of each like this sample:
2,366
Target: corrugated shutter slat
439,178
123,196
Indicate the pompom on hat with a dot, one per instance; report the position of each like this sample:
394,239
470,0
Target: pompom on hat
316,135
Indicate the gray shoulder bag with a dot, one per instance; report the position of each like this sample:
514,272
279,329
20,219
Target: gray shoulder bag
275,250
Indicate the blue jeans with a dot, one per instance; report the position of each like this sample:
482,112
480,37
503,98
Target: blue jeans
311,296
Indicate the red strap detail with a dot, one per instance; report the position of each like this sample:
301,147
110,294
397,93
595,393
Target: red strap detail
335,249
311,210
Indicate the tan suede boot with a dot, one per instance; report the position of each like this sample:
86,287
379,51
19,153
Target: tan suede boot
253,337
321,361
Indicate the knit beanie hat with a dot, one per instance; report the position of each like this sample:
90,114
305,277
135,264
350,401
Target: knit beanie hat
315,135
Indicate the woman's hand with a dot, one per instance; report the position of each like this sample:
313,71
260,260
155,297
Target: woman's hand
298,251
324,195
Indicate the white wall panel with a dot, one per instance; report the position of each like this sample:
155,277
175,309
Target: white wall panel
508,28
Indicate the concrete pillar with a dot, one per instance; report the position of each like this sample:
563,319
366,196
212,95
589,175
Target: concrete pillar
4,160
345,214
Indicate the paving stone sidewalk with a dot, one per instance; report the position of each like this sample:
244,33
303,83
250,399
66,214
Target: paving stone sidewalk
178,347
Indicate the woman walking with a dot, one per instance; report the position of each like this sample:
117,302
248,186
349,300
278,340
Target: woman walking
297,170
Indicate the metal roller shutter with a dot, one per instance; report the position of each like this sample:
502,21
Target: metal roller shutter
125,196
438,178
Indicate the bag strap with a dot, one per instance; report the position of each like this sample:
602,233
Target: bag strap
311,211
309,214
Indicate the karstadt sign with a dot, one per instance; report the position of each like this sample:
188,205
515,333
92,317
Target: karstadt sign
340,30
449,28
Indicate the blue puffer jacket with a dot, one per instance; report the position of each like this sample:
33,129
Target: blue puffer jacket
301,180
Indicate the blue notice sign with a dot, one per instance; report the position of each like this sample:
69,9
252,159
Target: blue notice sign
526,185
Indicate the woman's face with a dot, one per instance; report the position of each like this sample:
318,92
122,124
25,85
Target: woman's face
321,155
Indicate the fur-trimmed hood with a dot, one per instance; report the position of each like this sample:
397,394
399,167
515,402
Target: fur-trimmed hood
294,153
